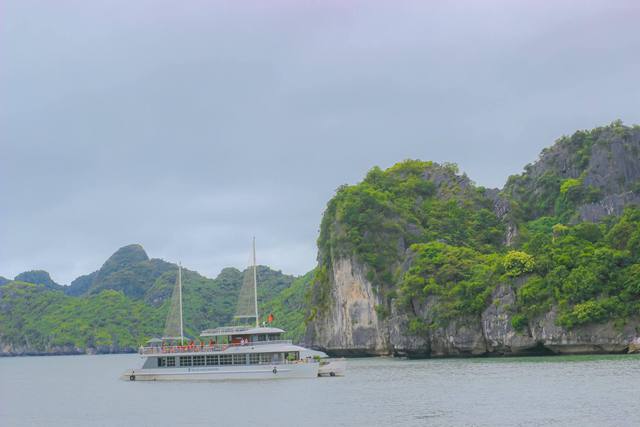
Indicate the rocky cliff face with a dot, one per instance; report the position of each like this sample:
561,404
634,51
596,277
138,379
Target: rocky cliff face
605,164
351,324
353,327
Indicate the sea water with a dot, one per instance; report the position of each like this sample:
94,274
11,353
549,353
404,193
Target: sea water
542,391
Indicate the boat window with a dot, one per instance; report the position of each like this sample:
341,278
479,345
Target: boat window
225,359
239,359
212,360
162,362
185,360
254,358
171,361
266,357
262,337
198,360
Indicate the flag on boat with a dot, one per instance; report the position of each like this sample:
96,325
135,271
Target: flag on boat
270,318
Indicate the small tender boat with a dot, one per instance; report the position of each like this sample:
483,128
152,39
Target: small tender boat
332,367
236,352
328,367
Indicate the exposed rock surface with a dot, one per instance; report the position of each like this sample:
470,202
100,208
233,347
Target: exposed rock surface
352,326
606,161
502,209
609,205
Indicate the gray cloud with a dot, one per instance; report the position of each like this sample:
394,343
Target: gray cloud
190,127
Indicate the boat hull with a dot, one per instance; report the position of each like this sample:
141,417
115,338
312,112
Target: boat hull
251,372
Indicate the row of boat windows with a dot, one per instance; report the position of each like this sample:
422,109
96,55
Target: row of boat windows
223,359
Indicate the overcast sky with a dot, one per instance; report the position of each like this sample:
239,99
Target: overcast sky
190,126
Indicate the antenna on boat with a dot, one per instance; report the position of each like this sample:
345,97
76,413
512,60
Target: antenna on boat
255,282
180,299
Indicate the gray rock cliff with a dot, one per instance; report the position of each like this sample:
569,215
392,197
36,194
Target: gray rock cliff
352,326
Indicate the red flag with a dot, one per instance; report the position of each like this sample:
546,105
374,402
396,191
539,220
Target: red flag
270,318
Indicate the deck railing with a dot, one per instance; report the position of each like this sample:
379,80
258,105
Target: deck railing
204,348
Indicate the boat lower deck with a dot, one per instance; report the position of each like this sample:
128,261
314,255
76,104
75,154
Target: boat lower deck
213,373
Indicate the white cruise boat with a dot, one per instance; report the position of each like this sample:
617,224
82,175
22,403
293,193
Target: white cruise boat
226,353
238,353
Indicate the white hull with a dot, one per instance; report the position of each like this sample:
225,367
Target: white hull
332,368
217,373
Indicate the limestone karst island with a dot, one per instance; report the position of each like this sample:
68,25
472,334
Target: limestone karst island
416,260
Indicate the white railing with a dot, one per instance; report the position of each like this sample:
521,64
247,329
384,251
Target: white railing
227,329
204,348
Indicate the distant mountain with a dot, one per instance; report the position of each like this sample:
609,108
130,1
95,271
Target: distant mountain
38,277
3,280
123,303
81,285
128,270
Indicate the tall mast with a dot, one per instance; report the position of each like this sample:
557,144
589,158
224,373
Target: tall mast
180,299
255,282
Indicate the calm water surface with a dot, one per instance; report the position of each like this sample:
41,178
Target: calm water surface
545,391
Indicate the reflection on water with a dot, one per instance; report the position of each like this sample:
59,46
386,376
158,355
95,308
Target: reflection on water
532,391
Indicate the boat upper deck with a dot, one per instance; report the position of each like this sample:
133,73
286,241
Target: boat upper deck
241,331
247,346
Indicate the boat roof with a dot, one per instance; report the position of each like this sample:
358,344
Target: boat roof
240,330
276,347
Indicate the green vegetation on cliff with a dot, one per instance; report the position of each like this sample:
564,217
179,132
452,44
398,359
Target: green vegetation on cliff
376,220
459,278
589,271
577,170
430,241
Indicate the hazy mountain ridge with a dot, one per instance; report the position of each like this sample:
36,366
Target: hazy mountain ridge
417,260
117,307
38,277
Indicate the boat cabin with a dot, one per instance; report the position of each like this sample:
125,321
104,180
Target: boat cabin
242,334
227,346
